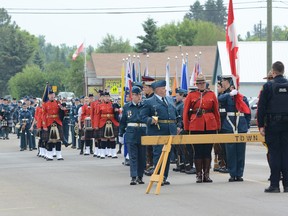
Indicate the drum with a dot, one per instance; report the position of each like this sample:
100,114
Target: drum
88,130
88,123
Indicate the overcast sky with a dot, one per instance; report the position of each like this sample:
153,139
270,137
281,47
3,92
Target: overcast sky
73,29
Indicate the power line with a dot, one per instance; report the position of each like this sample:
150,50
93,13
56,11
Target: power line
77,12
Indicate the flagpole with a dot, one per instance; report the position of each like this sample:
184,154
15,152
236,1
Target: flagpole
85,71
176,72
123,82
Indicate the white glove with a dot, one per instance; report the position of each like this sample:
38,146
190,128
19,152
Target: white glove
233,92
121,139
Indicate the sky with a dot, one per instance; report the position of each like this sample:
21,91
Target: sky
73,29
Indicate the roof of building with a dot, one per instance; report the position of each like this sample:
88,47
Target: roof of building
108,65
252,59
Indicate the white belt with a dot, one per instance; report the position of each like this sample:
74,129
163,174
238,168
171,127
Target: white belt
235,114
222,110
136,125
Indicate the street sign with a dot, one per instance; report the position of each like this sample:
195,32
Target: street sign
114,90
54,88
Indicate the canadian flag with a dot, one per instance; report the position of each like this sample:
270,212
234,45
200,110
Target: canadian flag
232,44
78,51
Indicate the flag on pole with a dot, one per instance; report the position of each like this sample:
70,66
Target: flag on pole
184,76
167,77
174,87
46,92
232,48
78,51
128,81
194,74
133,73
139,77
122,84
232,44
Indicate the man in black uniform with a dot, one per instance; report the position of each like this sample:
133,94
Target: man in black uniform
272,118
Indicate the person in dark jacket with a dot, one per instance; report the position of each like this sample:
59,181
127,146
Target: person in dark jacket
272,116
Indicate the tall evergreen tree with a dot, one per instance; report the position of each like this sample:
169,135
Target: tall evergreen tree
150,40
195,12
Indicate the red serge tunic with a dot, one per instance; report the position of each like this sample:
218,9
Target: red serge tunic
207,105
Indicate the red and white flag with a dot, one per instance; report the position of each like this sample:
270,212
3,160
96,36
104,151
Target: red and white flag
78,51
232,48
232,44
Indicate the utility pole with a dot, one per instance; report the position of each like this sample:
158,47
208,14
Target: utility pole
269,35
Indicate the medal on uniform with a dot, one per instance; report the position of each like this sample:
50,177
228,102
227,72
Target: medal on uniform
129,113
155,117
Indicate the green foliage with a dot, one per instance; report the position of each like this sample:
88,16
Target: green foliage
208,34
29,82
110,44
150,40
260,34
212,11
190,32
16,49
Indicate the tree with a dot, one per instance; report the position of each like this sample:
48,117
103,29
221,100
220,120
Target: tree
112,45
208,34
212,11
29,82
150,40
196,12
190,32
16,49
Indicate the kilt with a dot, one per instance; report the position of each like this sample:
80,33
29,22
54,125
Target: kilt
101,131
46,134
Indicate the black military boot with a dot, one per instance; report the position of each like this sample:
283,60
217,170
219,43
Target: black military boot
198,165
81,147
206,169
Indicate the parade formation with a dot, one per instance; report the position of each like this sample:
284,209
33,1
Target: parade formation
97,123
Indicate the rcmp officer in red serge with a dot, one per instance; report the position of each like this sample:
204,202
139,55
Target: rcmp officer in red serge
134,127
201,116
52,126
272,119
160,115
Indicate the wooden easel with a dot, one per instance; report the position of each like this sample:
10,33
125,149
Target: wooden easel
167,141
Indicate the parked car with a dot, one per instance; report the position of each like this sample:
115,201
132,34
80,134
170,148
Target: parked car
253,101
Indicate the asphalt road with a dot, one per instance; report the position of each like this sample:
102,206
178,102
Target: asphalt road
83,185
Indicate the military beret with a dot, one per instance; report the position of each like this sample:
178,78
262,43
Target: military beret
24,104
5,99
82,97
181,91
50,91
106,94
139,84
76,99
136,90
13,98
90,95
159,83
